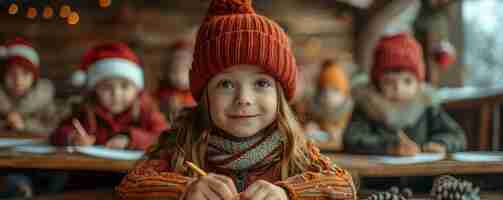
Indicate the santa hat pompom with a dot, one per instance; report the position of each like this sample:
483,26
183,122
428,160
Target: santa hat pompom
79,78
444,54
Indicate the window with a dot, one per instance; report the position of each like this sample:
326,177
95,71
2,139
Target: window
483,54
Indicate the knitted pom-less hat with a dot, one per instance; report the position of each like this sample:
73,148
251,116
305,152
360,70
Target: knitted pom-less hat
19,51
109,60
233,34
398,52
334,76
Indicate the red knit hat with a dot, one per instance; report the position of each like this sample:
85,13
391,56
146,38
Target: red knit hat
21,52
109,60
333,76
233,34
398,52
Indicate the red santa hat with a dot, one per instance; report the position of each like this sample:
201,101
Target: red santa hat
109,60
19,51
444,54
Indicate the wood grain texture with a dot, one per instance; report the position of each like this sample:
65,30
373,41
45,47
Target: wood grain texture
62,161
361,165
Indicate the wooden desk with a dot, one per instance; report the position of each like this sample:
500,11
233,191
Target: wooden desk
109,195
363,167
22,135
80,195
62,161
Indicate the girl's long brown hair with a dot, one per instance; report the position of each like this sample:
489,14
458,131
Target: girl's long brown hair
192,131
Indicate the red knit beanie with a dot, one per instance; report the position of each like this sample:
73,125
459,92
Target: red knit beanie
398,52
233,34
21,52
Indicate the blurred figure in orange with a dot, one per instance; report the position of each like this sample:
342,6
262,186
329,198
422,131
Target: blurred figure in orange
332,106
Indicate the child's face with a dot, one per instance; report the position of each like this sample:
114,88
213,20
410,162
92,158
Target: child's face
242,100
18,80
180,67
332,98
116,94
399,86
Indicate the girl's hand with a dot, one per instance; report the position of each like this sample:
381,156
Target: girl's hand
118,142
212,187
81,140
79,136
406,147
434,147
15,121
263,190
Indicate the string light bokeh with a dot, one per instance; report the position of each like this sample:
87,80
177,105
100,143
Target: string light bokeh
33,9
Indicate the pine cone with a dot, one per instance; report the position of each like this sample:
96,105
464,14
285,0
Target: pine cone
393,193
407,193
394,190
450,188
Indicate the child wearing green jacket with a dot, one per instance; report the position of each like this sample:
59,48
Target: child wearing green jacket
395,114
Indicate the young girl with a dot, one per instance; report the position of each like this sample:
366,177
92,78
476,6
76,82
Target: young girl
332,105
117,113
396,115
243,131
26,100
174,92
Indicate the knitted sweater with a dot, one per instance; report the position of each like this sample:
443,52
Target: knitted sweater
155,178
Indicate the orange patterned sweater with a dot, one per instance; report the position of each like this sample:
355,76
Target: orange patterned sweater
155,179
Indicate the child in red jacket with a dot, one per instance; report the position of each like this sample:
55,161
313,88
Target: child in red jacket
174,91
117,113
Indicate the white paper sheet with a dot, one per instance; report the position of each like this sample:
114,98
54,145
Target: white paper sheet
479,156
11,142
401,160
36,149
116,154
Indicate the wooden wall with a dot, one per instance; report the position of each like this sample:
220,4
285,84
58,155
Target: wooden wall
150,29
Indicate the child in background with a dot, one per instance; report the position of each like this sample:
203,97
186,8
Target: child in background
27,105
26,100
395,114
332,106
243,130
117,113
174,92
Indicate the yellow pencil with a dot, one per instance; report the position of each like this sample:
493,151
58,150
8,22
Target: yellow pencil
203,173
196,168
